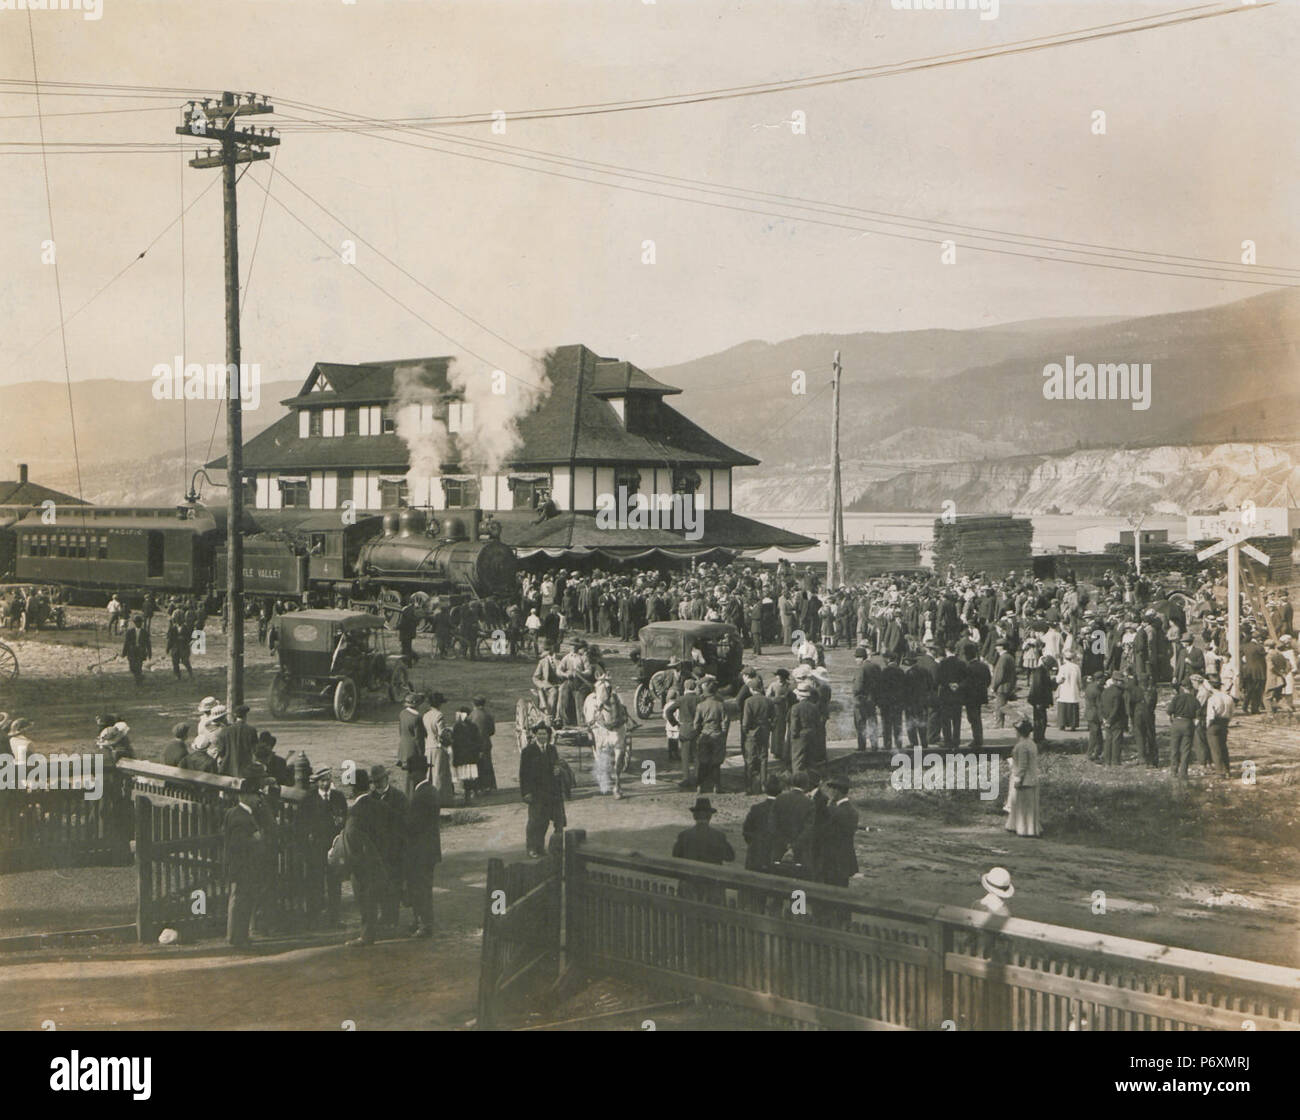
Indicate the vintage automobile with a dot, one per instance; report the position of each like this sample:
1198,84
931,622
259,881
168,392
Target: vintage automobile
708,647
331,658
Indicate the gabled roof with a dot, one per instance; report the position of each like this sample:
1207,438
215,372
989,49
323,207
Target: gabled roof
572,423
16,493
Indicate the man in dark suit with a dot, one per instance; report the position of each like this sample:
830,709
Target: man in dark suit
839,860
702,842
978,680
951,679
410,740
1003,681
892,696
790,814
332,815
866,686
137,647
237,744
486,725
806,729
755,729
916,703
392,813
423,851
540,789
1092,696
1254,672
759,830
248,851
1114,718
928,662
362,835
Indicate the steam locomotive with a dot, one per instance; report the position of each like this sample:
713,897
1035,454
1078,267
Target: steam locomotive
304,555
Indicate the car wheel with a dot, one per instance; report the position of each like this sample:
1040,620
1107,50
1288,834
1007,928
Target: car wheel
345,700
644,702
278,701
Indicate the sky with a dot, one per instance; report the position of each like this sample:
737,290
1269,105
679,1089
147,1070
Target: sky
1198,155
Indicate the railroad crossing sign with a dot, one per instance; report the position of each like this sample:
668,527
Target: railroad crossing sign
1234,543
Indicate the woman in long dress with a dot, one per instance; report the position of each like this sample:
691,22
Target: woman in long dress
1022,801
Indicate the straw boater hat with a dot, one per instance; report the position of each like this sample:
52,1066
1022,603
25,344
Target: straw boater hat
998,881
109,736
207,704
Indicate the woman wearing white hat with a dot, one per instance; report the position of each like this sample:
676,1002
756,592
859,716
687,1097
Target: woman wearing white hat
997,882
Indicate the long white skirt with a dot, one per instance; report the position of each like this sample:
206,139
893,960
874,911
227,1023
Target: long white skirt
1022,812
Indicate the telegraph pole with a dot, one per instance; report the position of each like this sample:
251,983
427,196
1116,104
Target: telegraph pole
217,121
835,559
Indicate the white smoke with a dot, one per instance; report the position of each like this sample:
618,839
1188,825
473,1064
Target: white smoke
418,408
495,400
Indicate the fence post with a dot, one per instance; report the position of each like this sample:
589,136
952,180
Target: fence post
144,919
937,997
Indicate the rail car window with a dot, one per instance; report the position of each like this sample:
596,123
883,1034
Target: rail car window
61,546
82,554
154,562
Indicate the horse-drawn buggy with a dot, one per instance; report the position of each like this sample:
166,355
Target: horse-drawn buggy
332,658
665,650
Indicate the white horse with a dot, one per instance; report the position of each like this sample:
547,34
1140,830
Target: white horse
609,722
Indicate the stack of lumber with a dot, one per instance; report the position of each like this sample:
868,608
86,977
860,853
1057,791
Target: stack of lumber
862,561
993,544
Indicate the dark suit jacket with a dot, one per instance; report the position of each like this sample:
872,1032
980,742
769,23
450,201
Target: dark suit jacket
423,834
759,831
704,845
235,747
410,736
244,847
790,813
392,824
839,861
362,834
951,671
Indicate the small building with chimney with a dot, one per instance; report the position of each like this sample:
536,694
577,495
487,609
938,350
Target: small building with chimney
603,427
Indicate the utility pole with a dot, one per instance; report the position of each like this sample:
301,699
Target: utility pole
1233,539
835,558
1136,524
217,121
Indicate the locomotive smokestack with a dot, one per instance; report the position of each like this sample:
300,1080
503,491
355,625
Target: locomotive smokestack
22,472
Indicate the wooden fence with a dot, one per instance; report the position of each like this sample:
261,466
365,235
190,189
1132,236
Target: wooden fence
169,822
812,956
522,935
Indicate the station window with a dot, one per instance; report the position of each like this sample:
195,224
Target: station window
101,547
462,493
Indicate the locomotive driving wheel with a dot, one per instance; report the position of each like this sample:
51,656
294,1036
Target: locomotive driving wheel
8,663
390,605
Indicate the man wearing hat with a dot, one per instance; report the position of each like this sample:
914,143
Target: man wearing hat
329,816
711,726
755,730
1218,712
1092,699
248,852
277,768
1114,718
679,712
838,858
482,719
540,788
392,808
1182,723
423,851
362,834
411,735
759,830
236,743
866,684
806,729
137,647
702,842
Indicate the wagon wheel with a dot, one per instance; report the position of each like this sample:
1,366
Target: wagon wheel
399,683
9,664
521,722
278,700
345,700
644,702
390,601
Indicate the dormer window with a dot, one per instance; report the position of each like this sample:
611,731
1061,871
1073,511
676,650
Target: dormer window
619,405
685,480
629,478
